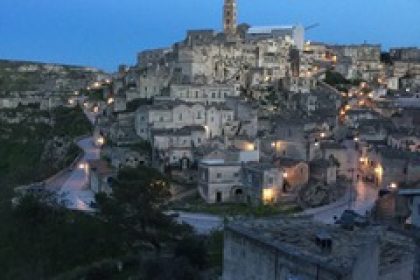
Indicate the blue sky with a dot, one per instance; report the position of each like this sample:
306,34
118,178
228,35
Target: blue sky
105,33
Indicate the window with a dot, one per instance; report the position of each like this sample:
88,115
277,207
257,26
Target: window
180,117
219,175
236,174
198,115
161,119
270,180
418,209
213,95
143,118
198,140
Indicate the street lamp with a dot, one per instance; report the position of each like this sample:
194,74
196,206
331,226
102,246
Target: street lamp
100,141
393,185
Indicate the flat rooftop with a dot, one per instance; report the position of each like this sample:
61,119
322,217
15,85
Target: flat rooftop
296,237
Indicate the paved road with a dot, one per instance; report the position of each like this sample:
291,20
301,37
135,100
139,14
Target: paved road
360,198
75,192
202,223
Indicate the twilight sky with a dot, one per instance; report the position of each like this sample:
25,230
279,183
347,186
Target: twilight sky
106,33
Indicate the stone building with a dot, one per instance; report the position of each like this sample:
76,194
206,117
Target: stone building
363,61
390,167
263,183
324,171
178,114
220,181
205,94
175,146
100,176
295,174
287,248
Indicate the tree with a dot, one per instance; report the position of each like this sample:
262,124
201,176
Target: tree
136,205
194,249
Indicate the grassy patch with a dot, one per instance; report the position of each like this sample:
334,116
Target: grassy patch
196,204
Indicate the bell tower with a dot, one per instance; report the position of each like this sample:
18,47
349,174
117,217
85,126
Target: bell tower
229,17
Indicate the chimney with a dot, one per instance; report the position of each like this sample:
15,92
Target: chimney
324,241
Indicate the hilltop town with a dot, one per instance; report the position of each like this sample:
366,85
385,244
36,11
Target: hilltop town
304,155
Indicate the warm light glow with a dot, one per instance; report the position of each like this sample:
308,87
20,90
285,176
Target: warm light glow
76,93
393,185
356,139
361,102
363,84
95,109
268,195
273,144
370,95
82,166
379,171
110,100
342,112
364,160
250,147
71,101
350,94
285,175
347,107
323,135
100,141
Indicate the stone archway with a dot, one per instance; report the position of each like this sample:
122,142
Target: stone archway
238,194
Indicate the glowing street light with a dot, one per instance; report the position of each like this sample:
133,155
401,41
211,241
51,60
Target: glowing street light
100,141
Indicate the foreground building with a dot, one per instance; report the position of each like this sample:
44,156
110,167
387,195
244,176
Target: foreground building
281,249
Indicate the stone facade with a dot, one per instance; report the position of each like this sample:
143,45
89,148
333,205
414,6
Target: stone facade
297,249
220,181
179,114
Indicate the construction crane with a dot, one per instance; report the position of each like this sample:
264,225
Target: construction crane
312,26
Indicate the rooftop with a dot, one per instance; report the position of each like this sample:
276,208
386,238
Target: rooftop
269,29
296,237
